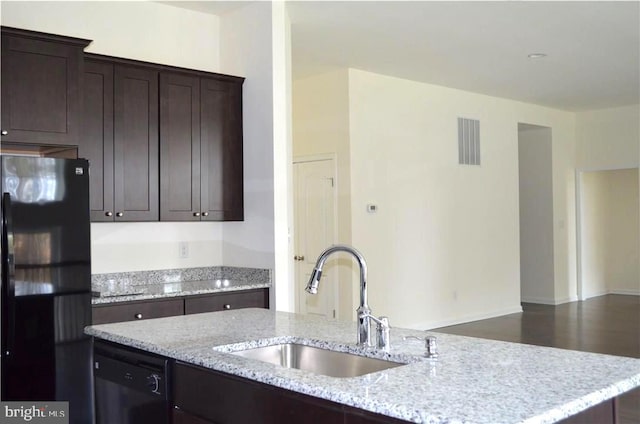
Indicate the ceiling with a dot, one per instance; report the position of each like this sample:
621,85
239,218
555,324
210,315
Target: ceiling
592,48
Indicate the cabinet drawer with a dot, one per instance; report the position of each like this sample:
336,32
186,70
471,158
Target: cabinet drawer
258,298
137,311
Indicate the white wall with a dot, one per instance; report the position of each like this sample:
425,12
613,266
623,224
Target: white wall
610,245
444,246
139,30
608,138
537,281
321,126
254,43
594,234
122,247
623,243
245,40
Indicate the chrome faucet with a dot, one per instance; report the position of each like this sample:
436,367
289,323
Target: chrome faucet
364,312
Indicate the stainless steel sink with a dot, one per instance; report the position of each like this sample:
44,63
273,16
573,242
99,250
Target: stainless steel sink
317,360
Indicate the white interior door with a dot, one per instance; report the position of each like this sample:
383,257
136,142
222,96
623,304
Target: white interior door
314,203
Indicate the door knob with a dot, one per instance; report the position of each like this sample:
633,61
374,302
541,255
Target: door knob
4,132
108,213
205,213
119,214
196,214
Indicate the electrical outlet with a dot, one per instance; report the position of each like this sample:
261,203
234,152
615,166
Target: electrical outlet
183,250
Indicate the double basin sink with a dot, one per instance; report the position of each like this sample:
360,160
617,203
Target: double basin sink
317,360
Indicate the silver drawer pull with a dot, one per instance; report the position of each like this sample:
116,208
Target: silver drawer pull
226,306
108,213
138,315
119,214
196,214
205,213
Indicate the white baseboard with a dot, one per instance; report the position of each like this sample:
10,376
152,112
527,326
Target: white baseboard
615,291
547,301
626,291
464,319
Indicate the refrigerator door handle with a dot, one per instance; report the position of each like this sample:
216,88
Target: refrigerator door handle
8,276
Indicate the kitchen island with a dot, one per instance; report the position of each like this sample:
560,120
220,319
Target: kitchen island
472,381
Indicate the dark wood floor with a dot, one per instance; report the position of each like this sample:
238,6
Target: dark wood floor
606,324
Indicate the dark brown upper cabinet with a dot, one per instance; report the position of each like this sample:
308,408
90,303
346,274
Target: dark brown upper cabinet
221,149
120,139
180,148
41,87
135,143
201,157
96,142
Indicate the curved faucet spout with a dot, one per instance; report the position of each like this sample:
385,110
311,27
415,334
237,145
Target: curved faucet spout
314,280
363,310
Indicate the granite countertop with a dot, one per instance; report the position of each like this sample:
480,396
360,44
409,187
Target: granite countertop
474,381
132,292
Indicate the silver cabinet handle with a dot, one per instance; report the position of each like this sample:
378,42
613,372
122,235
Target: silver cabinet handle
4,132
205,213
119,214
138,315
108,213
298,258
196,214
226,306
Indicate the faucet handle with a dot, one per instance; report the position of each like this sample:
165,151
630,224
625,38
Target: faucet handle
430,345
382,330
382,333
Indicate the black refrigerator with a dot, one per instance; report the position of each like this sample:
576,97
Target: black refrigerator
46,283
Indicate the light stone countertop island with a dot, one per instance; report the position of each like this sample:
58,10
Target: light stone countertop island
474,381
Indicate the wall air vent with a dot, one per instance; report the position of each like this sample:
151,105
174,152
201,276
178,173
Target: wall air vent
468,141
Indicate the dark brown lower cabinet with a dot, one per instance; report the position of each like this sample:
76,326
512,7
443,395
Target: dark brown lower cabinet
131,311
258,298
206,396
159,308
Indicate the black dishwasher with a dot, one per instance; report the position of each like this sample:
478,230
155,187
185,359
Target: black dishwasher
131,386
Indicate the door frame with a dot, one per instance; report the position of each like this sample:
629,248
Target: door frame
333,157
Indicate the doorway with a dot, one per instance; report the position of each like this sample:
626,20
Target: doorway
537,275
608,239
314,199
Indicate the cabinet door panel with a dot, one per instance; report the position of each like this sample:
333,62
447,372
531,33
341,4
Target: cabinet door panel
137,311
96,141
221,145
136,144
179,147
216,396
221,302
41,88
